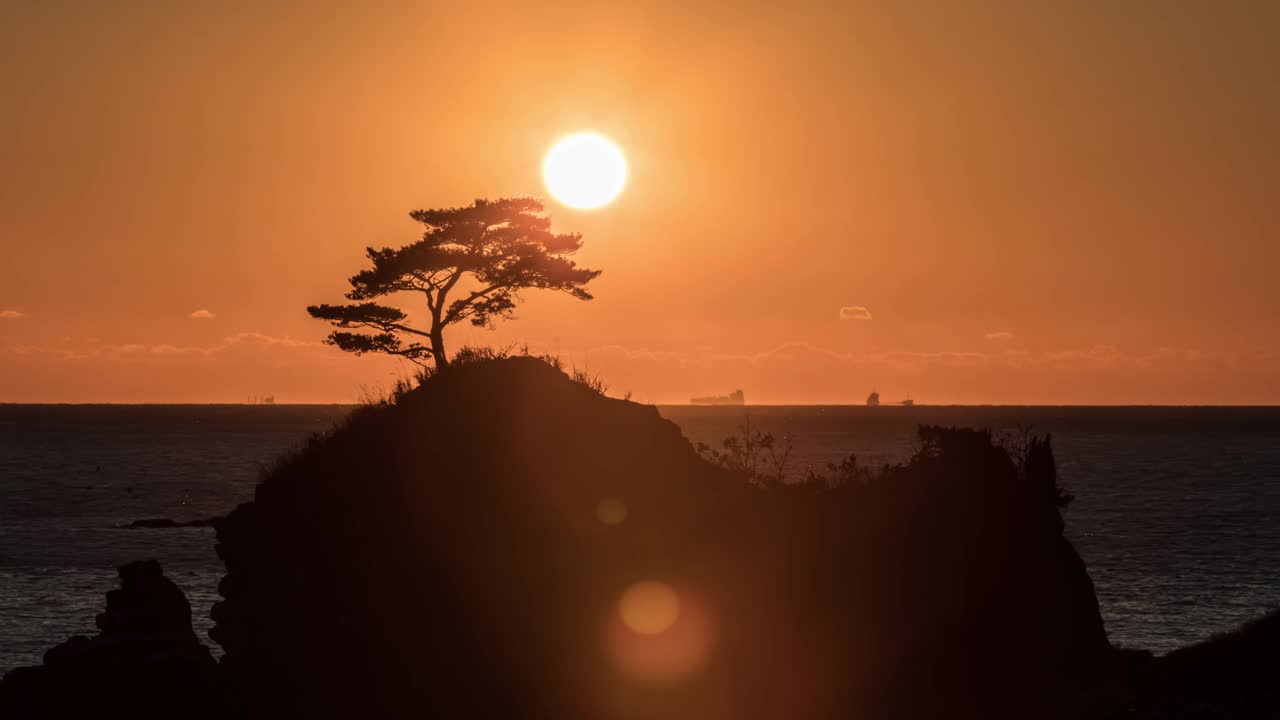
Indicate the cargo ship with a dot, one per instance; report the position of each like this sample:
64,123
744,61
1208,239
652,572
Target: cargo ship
737,397
873,400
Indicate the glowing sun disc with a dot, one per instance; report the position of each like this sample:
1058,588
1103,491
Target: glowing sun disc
584,171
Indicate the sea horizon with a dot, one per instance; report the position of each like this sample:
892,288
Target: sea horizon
882,407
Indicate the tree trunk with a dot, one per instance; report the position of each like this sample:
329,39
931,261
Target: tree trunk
437,348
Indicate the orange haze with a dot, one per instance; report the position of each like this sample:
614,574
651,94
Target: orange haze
1001,202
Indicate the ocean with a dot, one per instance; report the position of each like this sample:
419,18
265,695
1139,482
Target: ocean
1177,510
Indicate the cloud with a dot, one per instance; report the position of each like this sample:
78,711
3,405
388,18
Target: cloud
793,357
854,312
797,354
999,336
256,338
11,315
202,315
250,341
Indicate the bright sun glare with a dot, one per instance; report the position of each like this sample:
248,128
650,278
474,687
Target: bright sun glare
585,171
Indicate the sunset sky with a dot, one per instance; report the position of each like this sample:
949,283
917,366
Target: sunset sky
978,202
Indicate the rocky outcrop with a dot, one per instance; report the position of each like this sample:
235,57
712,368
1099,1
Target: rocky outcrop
505,542
146,661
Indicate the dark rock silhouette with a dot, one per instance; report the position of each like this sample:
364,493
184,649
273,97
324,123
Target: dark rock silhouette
1234,675
444,555
145,662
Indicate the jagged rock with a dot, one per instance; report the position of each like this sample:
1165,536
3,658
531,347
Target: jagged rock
443,555
146,661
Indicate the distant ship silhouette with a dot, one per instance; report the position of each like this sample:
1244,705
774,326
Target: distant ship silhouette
737,397
873,400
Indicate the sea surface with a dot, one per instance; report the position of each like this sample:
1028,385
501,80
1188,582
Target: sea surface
1177,510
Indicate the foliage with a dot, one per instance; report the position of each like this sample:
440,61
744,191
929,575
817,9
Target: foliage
594,383
847,472
468,355
470,265
766,461
758,455
480,353
1033,457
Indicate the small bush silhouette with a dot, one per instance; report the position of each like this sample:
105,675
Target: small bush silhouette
758,455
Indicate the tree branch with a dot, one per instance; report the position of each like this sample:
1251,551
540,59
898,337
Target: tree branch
456,314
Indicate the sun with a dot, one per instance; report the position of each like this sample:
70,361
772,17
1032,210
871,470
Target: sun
585,171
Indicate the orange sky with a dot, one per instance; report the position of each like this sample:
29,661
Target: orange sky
1077,204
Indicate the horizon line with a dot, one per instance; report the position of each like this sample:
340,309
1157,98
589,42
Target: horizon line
879,408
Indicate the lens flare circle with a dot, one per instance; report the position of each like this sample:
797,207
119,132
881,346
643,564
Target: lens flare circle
659,634
585,171
649,607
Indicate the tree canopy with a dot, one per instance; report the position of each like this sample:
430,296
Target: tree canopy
470,265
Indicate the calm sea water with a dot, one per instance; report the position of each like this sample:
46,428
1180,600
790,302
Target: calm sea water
1177,510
